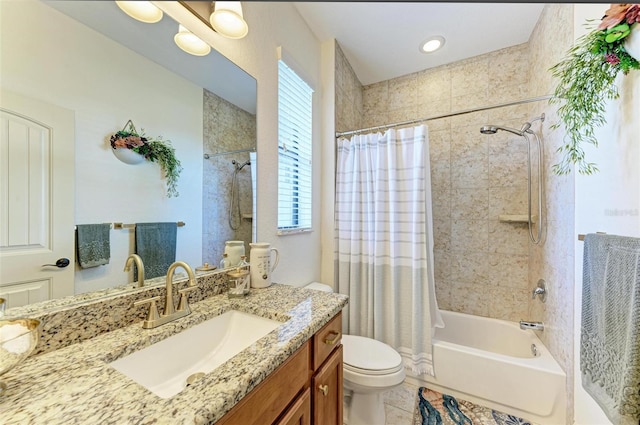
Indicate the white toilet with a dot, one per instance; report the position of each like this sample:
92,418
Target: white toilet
370,368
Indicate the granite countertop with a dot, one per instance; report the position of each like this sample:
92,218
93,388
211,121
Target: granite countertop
75,385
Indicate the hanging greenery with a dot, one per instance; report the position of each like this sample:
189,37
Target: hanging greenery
586,82
154,150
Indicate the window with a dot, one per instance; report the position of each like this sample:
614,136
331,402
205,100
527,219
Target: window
294,151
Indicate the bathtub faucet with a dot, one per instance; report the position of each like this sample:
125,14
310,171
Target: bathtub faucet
536,326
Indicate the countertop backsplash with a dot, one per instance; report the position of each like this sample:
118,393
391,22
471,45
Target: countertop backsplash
75,319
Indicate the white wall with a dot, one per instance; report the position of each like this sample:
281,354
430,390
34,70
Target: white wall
273,24
608,201
51,57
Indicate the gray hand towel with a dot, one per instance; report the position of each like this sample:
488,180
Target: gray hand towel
94,247
156,245
610,337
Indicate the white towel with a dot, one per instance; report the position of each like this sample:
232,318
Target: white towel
610,337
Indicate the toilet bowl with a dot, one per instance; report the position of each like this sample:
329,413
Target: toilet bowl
370,368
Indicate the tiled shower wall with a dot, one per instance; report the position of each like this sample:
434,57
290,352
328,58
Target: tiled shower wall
553,259
226,128
481,263
348,95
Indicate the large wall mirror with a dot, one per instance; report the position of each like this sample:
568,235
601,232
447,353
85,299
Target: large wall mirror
92,59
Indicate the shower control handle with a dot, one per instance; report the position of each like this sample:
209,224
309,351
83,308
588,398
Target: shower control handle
540,289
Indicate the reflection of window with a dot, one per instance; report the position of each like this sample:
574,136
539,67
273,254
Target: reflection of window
294,151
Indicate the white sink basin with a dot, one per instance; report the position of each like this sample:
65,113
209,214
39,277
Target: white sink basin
164,367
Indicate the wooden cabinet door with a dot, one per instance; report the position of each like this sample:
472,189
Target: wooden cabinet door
327,391
300,412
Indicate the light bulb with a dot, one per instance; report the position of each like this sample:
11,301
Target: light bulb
191,43
227,19
142,11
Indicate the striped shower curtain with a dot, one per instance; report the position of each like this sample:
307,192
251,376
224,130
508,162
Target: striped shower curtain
384,241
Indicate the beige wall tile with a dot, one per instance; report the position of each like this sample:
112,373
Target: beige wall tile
509,304
470,77
403,93
467,141
441,202
507,200
434,85
507,170
470,204
469,267
442,264
470,298
469,172
469,235
439,145
508,238
508,270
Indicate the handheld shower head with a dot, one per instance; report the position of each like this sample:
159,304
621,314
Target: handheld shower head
493,129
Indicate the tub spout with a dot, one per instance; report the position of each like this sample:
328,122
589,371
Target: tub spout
536,326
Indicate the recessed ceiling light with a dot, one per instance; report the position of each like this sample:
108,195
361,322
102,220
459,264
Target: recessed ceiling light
432,44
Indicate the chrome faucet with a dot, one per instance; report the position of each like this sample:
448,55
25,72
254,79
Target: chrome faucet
170,312
536,326
135,258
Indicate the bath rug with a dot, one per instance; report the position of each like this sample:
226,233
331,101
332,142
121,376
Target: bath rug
434,408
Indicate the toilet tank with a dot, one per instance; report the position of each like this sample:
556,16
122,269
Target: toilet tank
319,287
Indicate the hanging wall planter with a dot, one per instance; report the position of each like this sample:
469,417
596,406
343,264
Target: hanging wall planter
586,81
132,147
632,42
128,156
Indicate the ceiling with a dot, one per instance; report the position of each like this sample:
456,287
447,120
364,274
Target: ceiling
381,39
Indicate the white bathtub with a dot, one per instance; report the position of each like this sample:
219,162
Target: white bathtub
490,362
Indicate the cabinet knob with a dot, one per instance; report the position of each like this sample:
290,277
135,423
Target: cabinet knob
332,340
324,389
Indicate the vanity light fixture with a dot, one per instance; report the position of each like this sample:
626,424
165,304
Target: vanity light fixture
142,11
191,43
227,19
432,44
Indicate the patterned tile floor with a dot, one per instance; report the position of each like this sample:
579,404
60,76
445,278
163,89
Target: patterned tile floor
399,404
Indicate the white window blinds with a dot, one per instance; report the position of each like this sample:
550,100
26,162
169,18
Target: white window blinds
294,151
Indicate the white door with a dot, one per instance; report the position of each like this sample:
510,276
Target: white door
36,200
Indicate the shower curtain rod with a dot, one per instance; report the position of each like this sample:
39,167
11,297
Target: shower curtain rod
211,155
452,114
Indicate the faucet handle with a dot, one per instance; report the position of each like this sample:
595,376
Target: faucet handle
153,308
183,302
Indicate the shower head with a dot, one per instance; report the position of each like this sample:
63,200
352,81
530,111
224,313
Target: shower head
493,129
488,129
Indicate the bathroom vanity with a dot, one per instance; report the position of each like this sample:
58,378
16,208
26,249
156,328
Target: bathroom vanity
292,375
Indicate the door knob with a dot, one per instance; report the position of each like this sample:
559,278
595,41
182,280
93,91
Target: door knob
61,263
324,389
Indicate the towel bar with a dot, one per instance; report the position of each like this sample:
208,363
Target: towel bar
110,225
581,238
133,226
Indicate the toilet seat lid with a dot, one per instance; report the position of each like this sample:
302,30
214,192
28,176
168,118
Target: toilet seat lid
368,356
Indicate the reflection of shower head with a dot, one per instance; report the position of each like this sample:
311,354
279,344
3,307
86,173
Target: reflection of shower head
240,167
493,129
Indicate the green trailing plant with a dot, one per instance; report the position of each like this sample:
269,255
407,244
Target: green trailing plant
586,82
154,150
